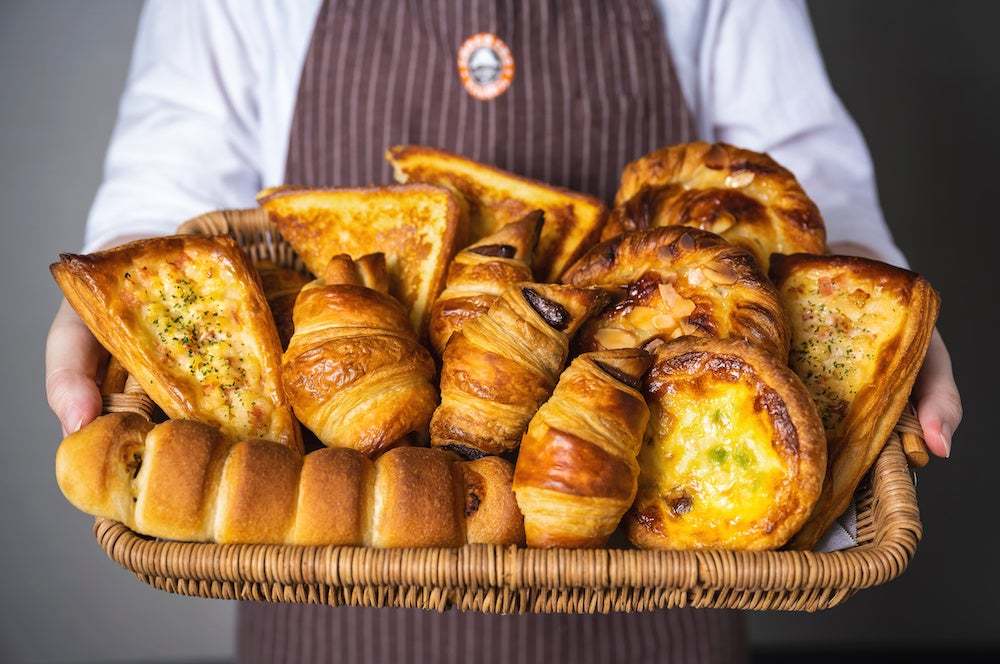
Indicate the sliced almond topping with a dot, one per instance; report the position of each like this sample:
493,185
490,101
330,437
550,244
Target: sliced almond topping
686,327
739,179
678,305
664,322
695,277
721,274
611,338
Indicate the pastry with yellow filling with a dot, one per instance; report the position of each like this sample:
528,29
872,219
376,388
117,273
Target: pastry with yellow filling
860,330
744,196
735,454
185,315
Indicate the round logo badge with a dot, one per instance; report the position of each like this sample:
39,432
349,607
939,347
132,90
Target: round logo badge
485,66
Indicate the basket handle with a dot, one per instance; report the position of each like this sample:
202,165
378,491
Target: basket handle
911,435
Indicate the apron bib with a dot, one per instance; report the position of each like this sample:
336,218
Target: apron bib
592,88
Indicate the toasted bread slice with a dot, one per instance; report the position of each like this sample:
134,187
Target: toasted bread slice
860,329
495,198
185,315
416,226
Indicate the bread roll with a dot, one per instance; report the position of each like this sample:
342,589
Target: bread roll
183,480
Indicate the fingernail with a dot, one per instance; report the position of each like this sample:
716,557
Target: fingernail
76,422
946,432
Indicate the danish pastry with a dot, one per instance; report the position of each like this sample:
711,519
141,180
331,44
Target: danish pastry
185,315
354,371
500,367
576,469
479,273
673,281
860,330
735,455
744,196
184,480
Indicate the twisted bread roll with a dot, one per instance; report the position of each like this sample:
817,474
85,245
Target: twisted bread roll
479,273
354,371
183,480
576,470
744,196
499,368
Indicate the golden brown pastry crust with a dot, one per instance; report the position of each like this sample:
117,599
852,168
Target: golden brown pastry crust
736,454
183,480
499,368
674,281
495,198
418,227
745,196
860,330
354,371
186,316
281,287
479,273
576,470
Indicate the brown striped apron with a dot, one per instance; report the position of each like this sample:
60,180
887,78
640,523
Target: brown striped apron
593,88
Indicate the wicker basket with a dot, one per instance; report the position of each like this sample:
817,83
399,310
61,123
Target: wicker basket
499,579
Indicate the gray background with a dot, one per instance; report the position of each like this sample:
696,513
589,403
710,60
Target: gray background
920,78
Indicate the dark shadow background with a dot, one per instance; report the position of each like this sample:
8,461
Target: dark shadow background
921,79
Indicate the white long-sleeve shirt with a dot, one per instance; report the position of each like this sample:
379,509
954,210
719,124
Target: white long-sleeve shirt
204,120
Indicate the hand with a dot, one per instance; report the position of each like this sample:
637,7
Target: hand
939,406
73,358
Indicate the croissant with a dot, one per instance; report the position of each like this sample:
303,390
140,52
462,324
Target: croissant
499,368
576,470
478,274
186,317
744,196
183,480
735,454
860,330
354,372
675,281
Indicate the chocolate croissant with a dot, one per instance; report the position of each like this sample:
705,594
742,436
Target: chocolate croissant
576,470
354,372
479,273
183,480
499,368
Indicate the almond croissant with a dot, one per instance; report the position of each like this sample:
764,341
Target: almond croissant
499,368
354,372
184,480
479,273
577,472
